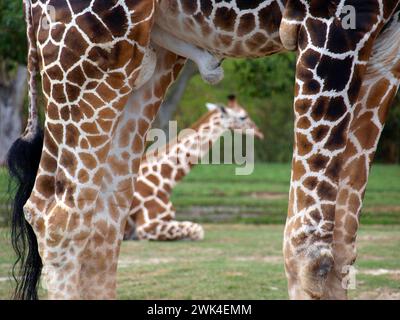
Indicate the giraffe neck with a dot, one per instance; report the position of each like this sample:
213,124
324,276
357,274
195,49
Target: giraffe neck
182,155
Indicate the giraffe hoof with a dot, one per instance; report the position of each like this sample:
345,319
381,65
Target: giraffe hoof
197,233
315,272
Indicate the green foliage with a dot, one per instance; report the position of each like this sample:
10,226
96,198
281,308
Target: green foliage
4,197
268,77
389,146
265,88
12,32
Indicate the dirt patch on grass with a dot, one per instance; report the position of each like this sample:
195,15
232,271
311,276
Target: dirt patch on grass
377,238
364,241
124,262
267,195
219,213
234,274
366,257
381,209
380,272
393,274
205,251
380,294
265,259
218,193
212,209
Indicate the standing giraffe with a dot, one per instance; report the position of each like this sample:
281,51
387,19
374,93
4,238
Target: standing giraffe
337,68
152,214
95,55
91,56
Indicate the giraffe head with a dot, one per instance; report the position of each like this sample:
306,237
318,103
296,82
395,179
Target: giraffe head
235,117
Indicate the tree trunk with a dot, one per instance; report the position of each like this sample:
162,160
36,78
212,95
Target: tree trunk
12,95
174,96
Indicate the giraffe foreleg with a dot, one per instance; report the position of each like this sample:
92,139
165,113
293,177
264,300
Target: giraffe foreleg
122,165
208,64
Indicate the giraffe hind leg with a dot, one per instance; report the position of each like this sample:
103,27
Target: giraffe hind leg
171,231
359,157
77,242
322,127
378,91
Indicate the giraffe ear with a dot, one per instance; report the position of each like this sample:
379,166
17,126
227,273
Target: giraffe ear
211,106
222,108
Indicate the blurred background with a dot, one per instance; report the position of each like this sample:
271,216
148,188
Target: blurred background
244,214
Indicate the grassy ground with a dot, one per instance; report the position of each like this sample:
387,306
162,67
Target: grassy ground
214,193
240,257
235,261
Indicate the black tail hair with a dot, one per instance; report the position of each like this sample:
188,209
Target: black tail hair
23,162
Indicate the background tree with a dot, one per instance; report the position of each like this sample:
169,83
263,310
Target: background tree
265,88
389,145
174,96
13,72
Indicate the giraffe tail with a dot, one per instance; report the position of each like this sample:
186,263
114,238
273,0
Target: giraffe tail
23,162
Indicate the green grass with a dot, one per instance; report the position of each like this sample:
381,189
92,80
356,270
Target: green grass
235,261
4,195
241,258
213,193
262,196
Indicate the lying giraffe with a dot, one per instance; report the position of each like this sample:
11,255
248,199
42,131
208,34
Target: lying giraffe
152,214
94,55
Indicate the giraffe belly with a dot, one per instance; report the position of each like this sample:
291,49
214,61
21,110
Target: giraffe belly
228,31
